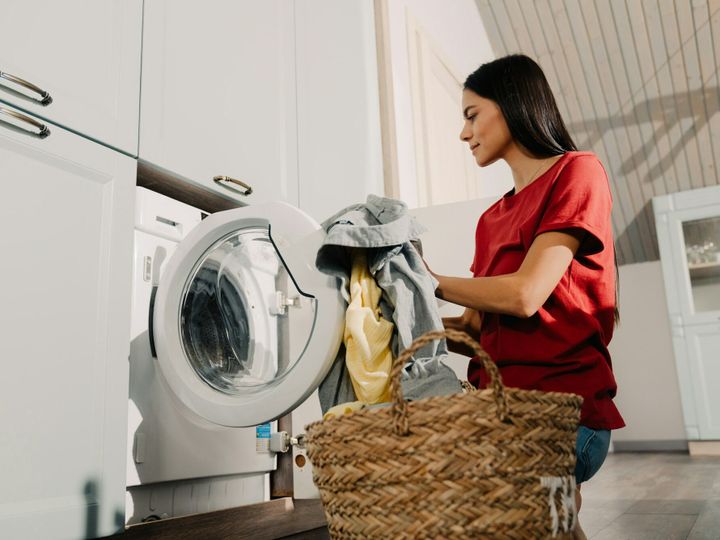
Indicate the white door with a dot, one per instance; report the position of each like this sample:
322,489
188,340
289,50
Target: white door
245,326
84,55
703,357
446,171
66,222
218,96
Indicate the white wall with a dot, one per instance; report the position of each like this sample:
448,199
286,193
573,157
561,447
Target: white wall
457,30
643,360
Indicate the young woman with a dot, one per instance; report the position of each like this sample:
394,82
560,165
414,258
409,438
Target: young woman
542,301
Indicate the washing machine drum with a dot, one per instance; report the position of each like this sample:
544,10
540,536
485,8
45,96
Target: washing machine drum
215,330
245,327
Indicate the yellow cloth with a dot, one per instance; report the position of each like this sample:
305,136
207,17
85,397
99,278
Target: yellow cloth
367,336
343,408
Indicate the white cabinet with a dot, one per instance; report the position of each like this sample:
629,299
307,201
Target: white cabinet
340,153
688,228
66,219
218,94
279,94
85,54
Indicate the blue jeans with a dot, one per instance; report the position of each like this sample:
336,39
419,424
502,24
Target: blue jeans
591,448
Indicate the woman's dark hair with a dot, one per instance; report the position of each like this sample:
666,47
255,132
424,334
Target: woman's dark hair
518,85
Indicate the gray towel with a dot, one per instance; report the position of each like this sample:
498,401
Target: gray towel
386,230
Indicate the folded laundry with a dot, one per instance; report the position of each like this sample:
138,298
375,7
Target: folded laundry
385,229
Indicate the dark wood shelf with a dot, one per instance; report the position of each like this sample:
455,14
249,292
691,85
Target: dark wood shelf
181,189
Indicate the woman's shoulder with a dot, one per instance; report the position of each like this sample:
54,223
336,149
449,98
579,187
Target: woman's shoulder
579,158
581,163
581,172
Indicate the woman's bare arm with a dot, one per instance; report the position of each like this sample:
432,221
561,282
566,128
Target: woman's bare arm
523,292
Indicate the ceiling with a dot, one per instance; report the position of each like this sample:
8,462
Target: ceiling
637,83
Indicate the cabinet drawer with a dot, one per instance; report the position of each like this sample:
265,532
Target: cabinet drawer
85,54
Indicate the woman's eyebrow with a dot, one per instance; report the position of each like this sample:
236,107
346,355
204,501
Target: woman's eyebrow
465,112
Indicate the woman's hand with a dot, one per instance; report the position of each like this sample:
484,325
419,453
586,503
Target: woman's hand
433,274
418,247
470,323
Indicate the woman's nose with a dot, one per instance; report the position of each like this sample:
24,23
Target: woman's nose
465,132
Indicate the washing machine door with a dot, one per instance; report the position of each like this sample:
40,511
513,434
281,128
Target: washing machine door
245,327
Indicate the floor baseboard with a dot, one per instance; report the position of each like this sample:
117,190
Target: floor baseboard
651,446
704,448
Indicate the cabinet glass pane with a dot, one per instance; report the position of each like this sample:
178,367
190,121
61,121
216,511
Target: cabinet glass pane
702,248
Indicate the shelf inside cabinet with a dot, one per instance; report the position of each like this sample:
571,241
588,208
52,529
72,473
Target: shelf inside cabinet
704,270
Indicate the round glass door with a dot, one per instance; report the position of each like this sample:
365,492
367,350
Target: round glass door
229,333
245,327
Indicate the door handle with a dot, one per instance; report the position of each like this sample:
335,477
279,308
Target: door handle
247,188
43,130
44,95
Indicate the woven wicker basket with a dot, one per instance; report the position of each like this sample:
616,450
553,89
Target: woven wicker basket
497,463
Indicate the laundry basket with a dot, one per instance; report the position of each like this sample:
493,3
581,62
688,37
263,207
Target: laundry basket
496,463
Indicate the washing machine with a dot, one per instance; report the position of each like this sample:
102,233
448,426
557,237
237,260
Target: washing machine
232,327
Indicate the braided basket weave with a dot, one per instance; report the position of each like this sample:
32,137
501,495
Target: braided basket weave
497,463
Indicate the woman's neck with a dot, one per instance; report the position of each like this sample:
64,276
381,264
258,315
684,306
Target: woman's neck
526,168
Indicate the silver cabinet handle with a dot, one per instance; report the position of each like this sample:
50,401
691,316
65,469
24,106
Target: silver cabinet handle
247,191
46,99
43,129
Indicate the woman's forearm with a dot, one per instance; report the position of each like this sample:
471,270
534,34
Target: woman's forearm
498,294
523,292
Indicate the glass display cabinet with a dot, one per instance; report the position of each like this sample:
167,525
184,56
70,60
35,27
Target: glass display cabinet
688,230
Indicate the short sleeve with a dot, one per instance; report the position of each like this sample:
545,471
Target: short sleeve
580,199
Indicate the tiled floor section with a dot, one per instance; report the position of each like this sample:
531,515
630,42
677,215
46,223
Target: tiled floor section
653,497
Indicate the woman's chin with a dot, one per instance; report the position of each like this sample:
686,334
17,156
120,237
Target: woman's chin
484,161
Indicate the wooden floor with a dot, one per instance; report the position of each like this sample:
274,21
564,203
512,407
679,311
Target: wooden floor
654,497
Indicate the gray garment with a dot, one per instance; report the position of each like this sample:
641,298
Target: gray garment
385,229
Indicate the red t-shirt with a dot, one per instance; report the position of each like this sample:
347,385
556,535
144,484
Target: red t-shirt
562,347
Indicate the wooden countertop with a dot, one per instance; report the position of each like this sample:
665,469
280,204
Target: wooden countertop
278,518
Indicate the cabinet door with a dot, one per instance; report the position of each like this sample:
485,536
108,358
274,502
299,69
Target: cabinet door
218,95
340,154
66,221
85,54
703,355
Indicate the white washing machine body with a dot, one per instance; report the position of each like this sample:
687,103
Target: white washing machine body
232,327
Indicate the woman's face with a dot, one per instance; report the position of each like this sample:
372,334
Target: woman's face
485,129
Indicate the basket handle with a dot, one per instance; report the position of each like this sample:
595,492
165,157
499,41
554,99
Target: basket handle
399,406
